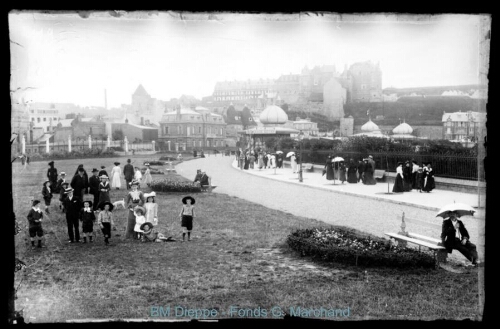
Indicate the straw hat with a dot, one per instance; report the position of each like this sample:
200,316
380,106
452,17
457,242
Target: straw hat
147,223
141,209
184,200
69,189
102,204
104,176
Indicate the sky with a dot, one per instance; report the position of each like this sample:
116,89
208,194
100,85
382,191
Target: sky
64,58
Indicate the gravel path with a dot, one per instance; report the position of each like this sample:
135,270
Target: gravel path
365,214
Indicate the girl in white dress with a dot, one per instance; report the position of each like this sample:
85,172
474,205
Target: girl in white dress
151,208
116,174
138,175
139,220
147,176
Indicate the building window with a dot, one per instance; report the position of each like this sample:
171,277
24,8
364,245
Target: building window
199,131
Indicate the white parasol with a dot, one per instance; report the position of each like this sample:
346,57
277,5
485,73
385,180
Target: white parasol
461,209
337,159
279,152
289,154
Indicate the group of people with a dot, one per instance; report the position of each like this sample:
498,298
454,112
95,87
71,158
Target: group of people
143,210
412,176
352,172
251,159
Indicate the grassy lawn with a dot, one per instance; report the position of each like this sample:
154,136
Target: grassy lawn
237,258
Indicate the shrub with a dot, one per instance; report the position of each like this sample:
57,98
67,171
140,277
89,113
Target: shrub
168,185
344,246
155,163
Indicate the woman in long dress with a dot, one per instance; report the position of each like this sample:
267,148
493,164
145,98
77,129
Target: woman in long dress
104,189
293,162
407,176
147,175
429,183
329,168
351,172
261,160
398,183
134,198
368,174
342,176
273,161
116,174
151,208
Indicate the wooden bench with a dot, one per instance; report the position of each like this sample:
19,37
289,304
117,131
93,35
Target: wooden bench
307,166
209,187
379,174
402,237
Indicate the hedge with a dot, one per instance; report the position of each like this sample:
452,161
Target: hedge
347,247
87,153
169,185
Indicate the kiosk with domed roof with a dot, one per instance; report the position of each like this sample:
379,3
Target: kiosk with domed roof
370,129
403,131
272,121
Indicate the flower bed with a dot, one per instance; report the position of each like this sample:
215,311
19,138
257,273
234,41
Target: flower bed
155,163
76,154
344,246
168,185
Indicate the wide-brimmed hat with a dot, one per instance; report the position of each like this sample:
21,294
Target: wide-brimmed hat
65,183
146,163
117,163
90,202
134,182
62,173
184,199
102,204
104,176
139,208
51,163
149,195
370,157
34,202
69,189
102,167
95,170
147,223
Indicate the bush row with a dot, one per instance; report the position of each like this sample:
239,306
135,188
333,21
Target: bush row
168,185
343,246
87,153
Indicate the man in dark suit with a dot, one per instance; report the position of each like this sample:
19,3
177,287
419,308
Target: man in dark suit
94,182
198,176
52,175
79,183
455,236
128,172
72,205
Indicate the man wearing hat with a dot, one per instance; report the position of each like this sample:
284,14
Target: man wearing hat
128,172
94,182
63,195
79,183
35,217
454,235
198,176
52,175
72,205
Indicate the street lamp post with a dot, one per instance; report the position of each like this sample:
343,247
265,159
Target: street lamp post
301,137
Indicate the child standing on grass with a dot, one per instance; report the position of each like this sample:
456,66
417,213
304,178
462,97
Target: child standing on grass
139,220
138,174
105,220
35,217
187,215
87,217
151,208
47,195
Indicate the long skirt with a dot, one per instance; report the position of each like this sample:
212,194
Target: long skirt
342,177
294,166
329,173
398,185
104,196
429,184
130,224
148,179
261,163
116,181
352,177
407,186
369,180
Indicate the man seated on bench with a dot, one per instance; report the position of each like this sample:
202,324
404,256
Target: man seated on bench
203,180
455,236
198,176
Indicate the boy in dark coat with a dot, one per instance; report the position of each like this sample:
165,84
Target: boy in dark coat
73,205
87,217
35,217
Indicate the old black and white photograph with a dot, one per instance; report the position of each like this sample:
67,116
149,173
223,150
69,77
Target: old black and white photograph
174,166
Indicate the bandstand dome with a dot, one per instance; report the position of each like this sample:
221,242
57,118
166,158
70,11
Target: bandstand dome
403,129
273,115
370,126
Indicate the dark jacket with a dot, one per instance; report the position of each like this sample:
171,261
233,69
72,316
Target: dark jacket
448,233
52,174
59,186
87,216
79,183
46,194
34,218
204,180
197,178
72,207
361,167
128,172
94,185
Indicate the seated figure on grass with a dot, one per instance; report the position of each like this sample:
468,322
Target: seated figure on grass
149,234
455,236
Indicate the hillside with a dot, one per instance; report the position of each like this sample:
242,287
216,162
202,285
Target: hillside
417,110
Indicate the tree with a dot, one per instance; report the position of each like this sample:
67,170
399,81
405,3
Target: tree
118,135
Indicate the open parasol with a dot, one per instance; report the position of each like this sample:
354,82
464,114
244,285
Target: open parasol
289,154
461,209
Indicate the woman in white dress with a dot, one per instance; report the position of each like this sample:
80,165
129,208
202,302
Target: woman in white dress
273,161
147,175
293,162
151,208
116,174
